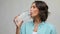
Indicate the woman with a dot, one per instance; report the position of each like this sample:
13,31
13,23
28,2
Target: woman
39,14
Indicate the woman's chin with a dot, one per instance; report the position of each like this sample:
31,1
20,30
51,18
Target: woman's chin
32,16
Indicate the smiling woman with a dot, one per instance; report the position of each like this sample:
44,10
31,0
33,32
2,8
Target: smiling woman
39,14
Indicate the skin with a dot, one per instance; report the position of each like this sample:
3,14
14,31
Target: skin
34,14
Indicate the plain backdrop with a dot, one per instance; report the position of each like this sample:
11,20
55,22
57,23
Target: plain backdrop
10,8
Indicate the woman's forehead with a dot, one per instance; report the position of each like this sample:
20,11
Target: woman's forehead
33,4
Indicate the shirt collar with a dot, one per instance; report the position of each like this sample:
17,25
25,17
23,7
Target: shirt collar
42,23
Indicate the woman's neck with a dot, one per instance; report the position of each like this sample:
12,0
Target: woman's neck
36,23
37,20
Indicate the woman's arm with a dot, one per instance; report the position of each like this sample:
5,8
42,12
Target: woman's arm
17,30
18,25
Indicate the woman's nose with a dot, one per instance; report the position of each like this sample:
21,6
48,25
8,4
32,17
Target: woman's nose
31,9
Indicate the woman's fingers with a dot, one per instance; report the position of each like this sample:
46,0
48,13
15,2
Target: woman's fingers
17,22
14,20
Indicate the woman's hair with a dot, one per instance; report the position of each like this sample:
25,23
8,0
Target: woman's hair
43,9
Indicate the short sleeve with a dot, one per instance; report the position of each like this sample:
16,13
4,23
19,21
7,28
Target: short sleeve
23,29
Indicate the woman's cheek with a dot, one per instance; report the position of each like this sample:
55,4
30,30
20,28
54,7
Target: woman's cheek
34,14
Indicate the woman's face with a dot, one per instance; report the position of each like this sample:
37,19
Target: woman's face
34,10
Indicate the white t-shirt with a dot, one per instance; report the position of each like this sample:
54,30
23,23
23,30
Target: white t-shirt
34,32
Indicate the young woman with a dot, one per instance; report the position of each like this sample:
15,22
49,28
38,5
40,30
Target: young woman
39,14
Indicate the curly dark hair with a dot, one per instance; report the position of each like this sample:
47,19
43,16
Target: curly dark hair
43,9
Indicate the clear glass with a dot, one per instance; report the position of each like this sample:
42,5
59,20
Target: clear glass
25,16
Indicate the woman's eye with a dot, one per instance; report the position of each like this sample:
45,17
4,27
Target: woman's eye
33,6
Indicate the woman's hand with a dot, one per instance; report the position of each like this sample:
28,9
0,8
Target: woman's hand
18,23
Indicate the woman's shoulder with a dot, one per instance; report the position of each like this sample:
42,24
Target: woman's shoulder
50,25
27,23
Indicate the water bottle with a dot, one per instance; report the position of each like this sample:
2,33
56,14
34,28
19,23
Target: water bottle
25,16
